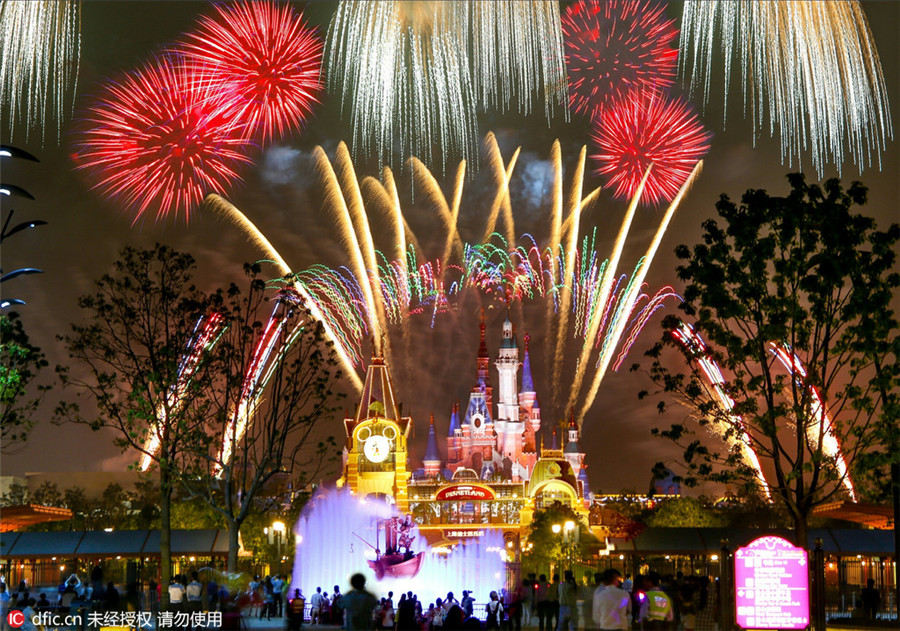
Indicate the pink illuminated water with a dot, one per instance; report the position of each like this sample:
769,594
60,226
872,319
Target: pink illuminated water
330,548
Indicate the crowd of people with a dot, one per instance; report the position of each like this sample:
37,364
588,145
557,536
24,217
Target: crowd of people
608,601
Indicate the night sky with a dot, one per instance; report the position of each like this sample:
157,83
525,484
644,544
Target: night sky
280,192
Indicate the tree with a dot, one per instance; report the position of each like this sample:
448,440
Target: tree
546,548
130,357
20,364
47,494
805,277
684,512
16,495
275,375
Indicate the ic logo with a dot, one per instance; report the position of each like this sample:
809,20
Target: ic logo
15,618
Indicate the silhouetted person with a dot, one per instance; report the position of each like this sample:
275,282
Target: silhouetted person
871,600
359,604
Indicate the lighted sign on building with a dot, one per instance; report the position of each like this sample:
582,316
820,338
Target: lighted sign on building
771,581
464,492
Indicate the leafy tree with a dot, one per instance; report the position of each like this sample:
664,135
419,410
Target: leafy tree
545,546
20,364
17,495
684,512
129,354
263,424
805,273
47,494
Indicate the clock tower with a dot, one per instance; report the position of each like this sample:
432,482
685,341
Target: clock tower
376,449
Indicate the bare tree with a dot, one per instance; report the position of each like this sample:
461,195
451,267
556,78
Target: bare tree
130,363
274,385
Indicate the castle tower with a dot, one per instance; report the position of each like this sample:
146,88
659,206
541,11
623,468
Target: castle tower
432,458
509,428
530,410
483,362
574,454
376,448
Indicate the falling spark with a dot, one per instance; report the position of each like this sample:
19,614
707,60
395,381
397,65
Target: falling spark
405,74
734,431
819,423
810,67
40,49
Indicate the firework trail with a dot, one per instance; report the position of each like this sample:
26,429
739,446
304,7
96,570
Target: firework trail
647,129
375,292
819,429
229,211
812,67
502,177
404,71
633,292
40,50
350,219
264,60
273,343
161,138
733,432
614,47
206,333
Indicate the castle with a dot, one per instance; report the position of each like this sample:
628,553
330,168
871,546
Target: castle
496,472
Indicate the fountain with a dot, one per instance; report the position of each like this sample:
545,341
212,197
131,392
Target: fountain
337,534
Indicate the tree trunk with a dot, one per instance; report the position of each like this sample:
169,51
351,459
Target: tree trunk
165,535
801,530
234,531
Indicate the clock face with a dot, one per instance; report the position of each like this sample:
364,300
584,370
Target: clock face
377,448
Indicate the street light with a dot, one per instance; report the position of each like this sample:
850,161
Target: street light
276,537
556,528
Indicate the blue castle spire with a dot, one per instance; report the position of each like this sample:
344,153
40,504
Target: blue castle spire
454,420
527,380
431,450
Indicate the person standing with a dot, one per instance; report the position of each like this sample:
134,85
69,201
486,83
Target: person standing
554,602
176,595
317,600
194,594
568,603
359,604
612,604
542,603
494,610
656,612
871,600
277,591
296,609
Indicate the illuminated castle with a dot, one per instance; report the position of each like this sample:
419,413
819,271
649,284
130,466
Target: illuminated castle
496,472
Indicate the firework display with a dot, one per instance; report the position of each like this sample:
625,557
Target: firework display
648,131
811,67
602,307
732,430
206,333
161,138
414,73
819,428
40,49
614,47
264,59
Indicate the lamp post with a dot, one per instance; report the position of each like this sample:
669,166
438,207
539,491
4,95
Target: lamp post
276,537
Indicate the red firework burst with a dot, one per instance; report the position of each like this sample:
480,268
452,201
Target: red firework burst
266,60
615,46
643,130
160,138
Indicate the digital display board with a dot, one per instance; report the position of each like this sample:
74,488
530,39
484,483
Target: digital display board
771,583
